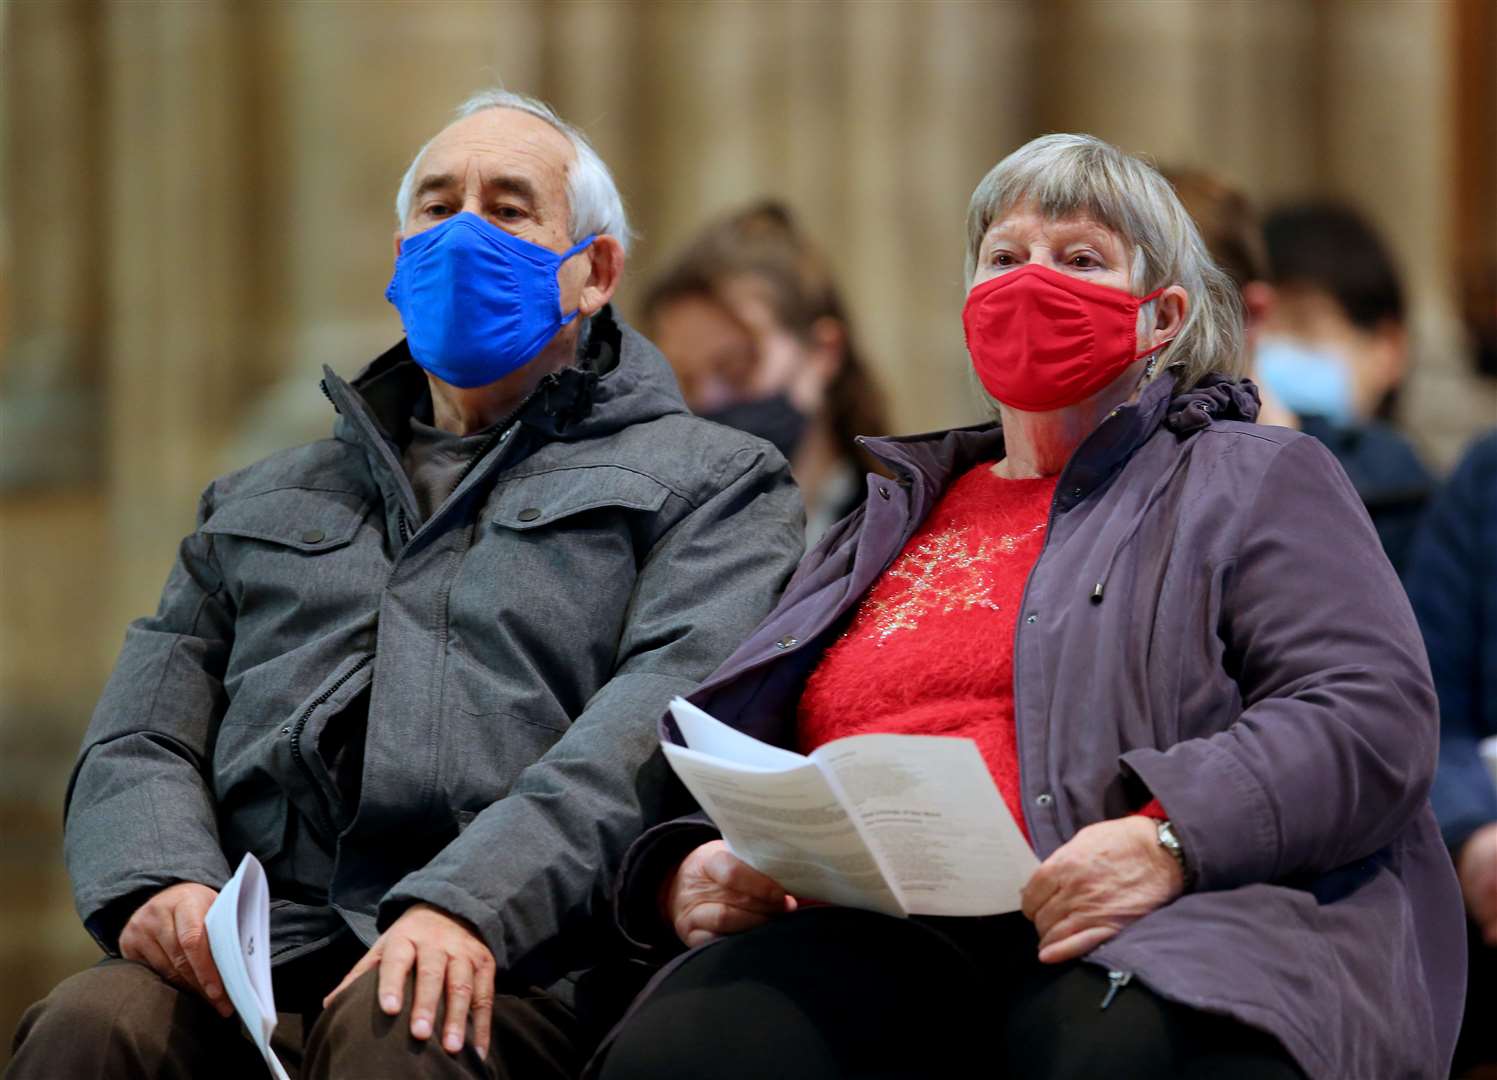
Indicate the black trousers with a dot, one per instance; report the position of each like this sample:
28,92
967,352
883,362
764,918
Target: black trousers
832,992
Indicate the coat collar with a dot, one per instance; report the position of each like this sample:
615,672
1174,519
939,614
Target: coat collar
929,462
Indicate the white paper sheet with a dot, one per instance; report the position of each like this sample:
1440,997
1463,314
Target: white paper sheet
238,926
904,824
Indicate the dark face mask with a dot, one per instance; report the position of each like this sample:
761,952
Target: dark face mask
771,418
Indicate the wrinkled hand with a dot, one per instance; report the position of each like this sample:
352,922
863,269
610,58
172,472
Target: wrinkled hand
714,892
167,934
447,954
1106,876
1477,868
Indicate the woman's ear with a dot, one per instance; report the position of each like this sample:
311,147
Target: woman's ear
1169,316
825,353
606,257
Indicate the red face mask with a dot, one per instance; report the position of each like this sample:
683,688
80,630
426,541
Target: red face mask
1042,340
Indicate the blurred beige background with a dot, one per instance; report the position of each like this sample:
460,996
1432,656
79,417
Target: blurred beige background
195,214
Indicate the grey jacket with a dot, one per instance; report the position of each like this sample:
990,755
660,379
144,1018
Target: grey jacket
1212,622
460,711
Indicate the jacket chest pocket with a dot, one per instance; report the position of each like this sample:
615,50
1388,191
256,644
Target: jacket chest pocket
291,554
581,530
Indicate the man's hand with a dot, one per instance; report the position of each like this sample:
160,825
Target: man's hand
714,892
1106,876
447,953
1477,868
167,934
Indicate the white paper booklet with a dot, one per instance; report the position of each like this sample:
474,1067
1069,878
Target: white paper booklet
903,824
239,934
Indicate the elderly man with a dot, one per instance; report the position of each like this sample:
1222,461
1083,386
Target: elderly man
416,668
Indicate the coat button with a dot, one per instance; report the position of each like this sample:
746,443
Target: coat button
1076,493
530,513
786,642
313,536
883,493
1044,798
1032,619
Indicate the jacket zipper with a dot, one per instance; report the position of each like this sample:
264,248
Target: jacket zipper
301,725
1116,980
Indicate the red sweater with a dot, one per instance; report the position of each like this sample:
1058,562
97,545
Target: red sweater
930,650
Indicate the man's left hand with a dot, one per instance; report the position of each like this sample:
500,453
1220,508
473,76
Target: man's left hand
448,956
1106,876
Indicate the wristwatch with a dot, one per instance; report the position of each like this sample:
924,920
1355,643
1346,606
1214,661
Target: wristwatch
1171,843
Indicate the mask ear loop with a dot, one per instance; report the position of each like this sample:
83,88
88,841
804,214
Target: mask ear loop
1152,354
575,249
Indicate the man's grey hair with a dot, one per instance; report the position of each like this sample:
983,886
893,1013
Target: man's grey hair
593,197
1063,176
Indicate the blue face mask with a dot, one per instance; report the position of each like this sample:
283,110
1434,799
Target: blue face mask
1311,382
476,301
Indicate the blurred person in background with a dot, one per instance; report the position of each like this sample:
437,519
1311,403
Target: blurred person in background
753,324
1233,233
1176,641
1452,582
415,668
1324,330
1333,347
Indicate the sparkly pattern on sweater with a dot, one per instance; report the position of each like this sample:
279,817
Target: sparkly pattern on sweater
930,649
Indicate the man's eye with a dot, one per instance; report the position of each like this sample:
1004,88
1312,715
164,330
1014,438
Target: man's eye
437,210
510,213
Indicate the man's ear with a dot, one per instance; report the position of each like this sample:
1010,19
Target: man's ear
1391,347
606,258
398,239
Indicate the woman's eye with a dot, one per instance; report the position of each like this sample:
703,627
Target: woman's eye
1002,258
1085,260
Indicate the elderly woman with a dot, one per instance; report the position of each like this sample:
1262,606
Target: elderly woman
1187,663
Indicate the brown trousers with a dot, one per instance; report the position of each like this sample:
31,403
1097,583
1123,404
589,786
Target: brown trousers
119,1020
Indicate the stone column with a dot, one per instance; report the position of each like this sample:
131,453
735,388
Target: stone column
55,174
180,249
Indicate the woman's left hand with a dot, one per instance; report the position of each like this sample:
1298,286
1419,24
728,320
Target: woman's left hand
1105,877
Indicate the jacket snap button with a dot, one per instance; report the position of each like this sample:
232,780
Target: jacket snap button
1044,798
785,642
529,514
1076,493
313,536
1032,619
883,492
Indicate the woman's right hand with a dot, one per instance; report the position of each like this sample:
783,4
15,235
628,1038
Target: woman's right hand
714,892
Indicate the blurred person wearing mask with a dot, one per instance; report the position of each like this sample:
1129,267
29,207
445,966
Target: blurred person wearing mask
415,668
1452,583
1332,347
750,319
1182,654
1233,233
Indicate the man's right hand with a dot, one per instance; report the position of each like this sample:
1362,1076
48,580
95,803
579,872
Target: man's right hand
167,934
1477,868
714,892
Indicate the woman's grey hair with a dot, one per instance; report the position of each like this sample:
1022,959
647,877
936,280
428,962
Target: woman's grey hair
1066,176
593,197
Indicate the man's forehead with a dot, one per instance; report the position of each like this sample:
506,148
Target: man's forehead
508,136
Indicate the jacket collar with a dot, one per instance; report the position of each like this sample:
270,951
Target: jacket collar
619,379
929,462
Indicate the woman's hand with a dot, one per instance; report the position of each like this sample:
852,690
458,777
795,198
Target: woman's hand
714,892
1105,877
